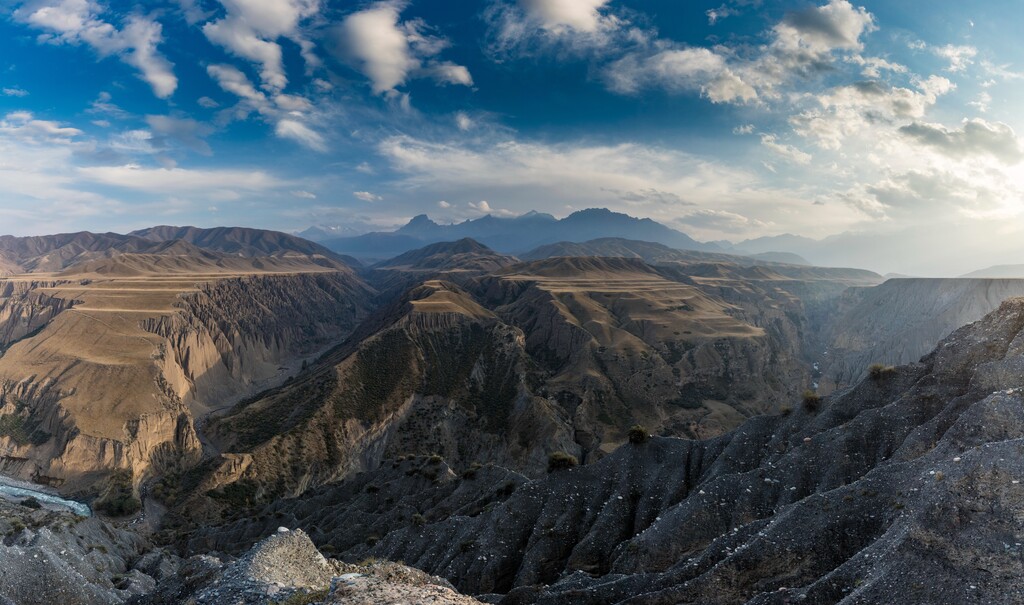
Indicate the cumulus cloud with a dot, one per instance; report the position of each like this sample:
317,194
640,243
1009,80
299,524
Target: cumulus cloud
687,69
975,136
803,43
389,52
854,108
80,22
251,28
529,27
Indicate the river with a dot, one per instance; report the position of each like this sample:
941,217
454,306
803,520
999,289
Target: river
15,490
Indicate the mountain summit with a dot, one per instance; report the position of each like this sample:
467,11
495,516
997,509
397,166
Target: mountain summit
517,234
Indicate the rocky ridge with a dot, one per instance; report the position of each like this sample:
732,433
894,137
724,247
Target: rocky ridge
908,484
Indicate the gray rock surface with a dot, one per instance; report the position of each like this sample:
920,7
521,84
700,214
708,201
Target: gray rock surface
908,488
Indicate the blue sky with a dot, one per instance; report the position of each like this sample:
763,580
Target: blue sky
729,119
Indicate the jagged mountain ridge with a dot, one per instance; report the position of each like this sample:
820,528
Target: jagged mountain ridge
515,235
906,486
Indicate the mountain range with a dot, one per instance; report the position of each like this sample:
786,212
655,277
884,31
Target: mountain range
515,235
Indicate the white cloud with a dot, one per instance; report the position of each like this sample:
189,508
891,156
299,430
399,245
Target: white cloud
982,102
300,133
857,108
803,43
463,121
716,14
443,205
251,28
288,113
974,137
80,22
693,69
14,92
528,27
176,180
207,103
23,125
788,152
959,57
872,67
366,196
390,52
231,79
305,195
580,15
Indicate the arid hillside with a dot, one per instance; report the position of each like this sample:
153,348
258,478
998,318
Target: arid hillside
108,365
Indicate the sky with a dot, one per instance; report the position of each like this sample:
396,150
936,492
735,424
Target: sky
726,119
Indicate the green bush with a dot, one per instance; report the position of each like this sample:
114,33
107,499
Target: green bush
119,499
878,371
812,400
638,434
561,460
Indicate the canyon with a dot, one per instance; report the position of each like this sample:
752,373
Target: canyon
213,386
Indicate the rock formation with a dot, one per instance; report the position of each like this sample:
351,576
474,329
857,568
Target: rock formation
907,485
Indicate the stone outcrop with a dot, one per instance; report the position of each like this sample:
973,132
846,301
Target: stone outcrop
901,320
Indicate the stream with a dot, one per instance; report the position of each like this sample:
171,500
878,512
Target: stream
15,490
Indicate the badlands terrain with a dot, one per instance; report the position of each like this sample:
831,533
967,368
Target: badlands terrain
253,417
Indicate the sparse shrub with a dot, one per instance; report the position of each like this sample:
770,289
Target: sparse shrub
435,459
32,503
812,401
372,539
372,489
638,434
470,473
419,520
305,598
119,499
878,371
561,460
467,546
786,410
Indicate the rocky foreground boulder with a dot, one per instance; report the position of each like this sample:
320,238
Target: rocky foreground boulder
287,568
908,488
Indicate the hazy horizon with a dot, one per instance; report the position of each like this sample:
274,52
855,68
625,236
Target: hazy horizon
726,121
